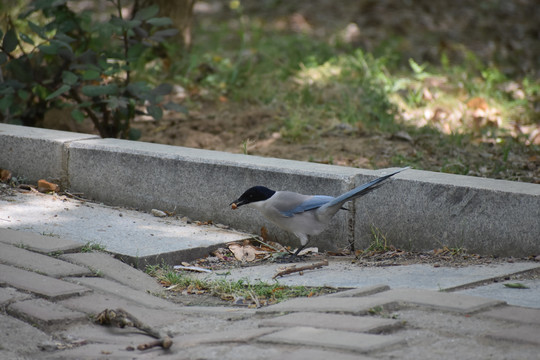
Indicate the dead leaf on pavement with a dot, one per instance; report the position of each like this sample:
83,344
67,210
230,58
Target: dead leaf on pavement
246,252
45,186
5,175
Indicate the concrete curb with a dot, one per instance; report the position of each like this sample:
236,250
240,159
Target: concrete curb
415,210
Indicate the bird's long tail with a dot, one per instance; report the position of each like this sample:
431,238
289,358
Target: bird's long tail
361,190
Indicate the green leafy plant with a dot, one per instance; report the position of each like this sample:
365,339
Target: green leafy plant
75,62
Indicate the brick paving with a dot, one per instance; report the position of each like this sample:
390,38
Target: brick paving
48,301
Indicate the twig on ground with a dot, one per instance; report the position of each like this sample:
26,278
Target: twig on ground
165,343
265,244
293,269
74,195
121,318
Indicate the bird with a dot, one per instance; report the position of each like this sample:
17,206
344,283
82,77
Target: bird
302,215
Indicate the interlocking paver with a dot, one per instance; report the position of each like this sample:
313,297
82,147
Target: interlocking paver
439,300
325,338
9,295
515,314
349,305
47,265
18,339
124,291
95,303
93,333
316,354
333,321
523,334
114,269
98,352
363,291
238,336
44,286
44,313
37,242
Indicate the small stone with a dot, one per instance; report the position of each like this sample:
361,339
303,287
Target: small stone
158,213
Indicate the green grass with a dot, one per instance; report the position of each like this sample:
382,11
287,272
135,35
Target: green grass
92,246
258,293
314,81
378,243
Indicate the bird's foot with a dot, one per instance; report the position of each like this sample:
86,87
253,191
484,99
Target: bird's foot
289,258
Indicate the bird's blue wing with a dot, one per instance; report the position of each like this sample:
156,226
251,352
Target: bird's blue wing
312,203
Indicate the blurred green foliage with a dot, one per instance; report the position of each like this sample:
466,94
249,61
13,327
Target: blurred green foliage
69,60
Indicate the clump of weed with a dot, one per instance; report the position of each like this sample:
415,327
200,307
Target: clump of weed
240,291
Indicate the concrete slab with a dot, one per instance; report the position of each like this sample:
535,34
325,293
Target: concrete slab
235,336
34,153
344,274
514,314
12,331
93,333
356,306
111,268
438,300
521,297
43,264
123,291
9,295
334,322
44,286
139,236
317,354
35,241
324,338
44,314
262,351
99,352
522,335
449,335
93,304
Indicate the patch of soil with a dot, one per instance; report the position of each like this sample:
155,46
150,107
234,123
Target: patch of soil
223,127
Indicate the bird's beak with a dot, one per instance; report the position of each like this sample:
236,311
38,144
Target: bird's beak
236,203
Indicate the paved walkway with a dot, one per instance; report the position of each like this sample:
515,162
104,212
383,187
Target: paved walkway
51,292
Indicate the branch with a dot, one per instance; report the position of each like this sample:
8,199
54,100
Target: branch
121,318
293,269
126,42
89,111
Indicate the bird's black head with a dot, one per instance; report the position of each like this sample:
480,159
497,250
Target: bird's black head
254,194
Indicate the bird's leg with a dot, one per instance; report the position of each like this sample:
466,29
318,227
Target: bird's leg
294,257
302,247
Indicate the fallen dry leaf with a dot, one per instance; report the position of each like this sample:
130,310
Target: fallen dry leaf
246,252
312,250
45,186
477,103
5,175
